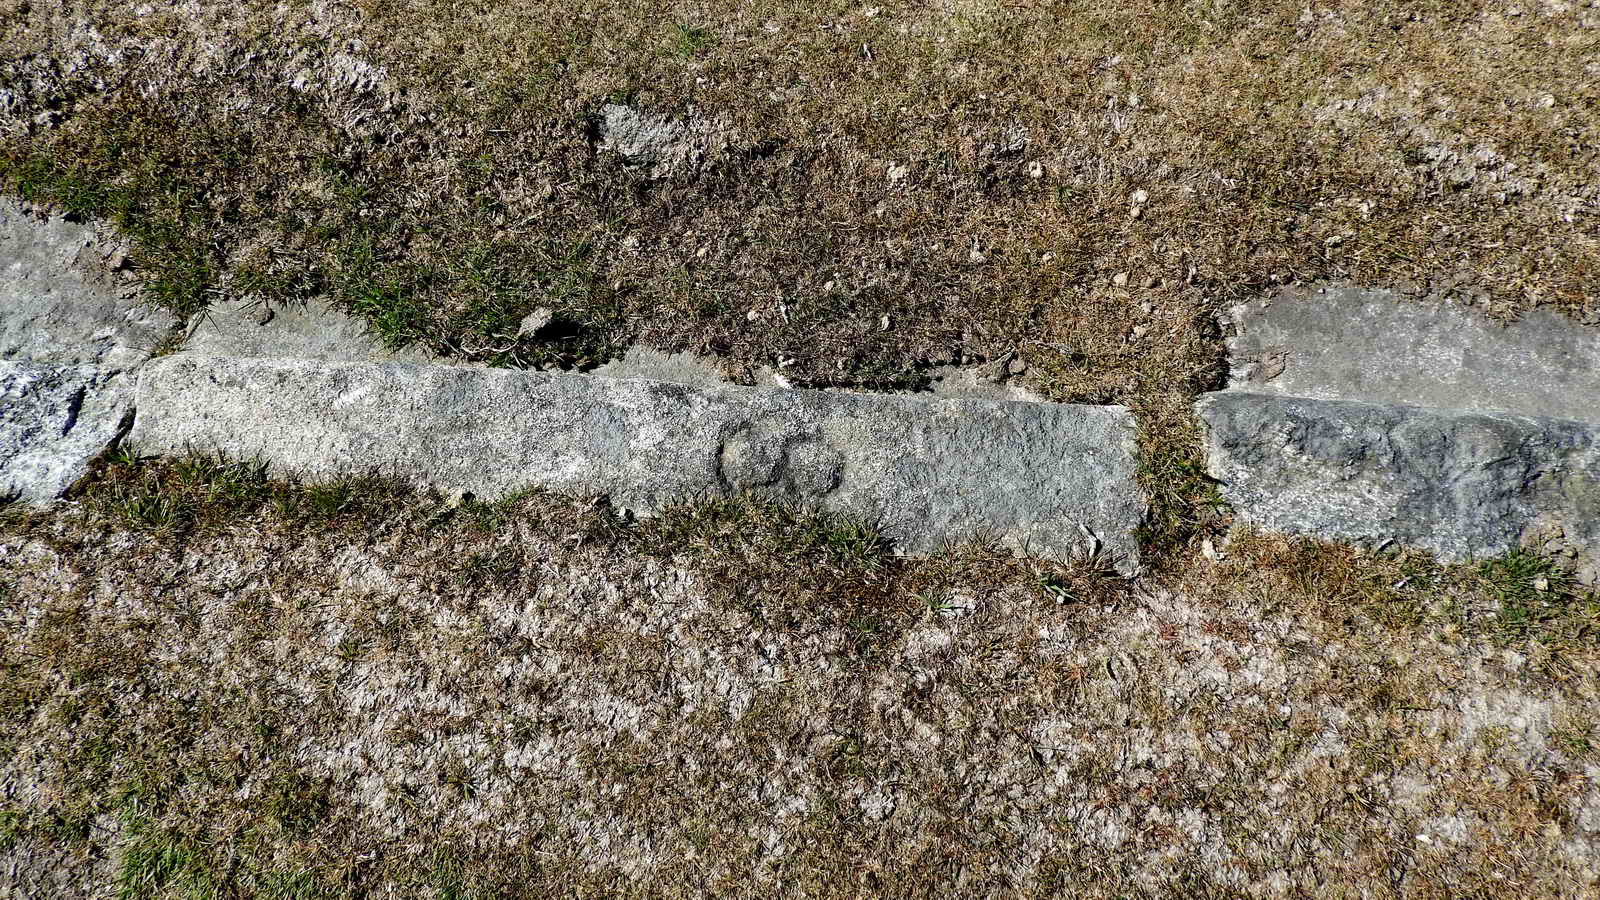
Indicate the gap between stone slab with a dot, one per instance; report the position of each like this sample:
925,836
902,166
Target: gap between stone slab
641,361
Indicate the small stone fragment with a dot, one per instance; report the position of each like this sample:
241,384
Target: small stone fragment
1273,363
1120,279
1017,367
535,322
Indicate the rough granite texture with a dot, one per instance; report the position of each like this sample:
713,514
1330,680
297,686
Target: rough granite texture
1463,484
657,142
53,421
59,301
1342,343
70,330
929,469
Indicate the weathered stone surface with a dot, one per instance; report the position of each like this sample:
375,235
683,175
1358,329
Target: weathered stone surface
53,421
310,330
60,304
1344,343
930,469
1462,484
659,143
69,329
640,361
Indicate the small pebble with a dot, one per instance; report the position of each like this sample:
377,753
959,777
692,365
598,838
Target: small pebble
1017,367
535,322
1120,279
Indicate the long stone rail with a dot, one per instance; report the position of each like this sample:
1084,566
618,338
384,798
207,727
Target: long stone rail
931,470
1351,414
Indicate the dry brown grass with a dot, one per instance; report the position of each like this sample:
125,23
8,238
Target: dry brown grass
871,190
227,687
435,168
393,697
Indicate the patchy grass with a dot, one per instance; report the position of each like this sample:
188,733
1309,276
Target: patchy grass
1519,600
1084,190
411,697
231,686
863,193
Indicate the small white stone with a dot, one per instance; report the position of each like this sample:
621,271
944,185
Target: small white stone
535,322
1141,197
1120,279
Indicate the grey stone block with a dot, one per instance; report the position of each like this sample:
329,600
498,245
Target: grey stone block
930,469
310,330
69,328
1343,343
1463,484
59,301
53,421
